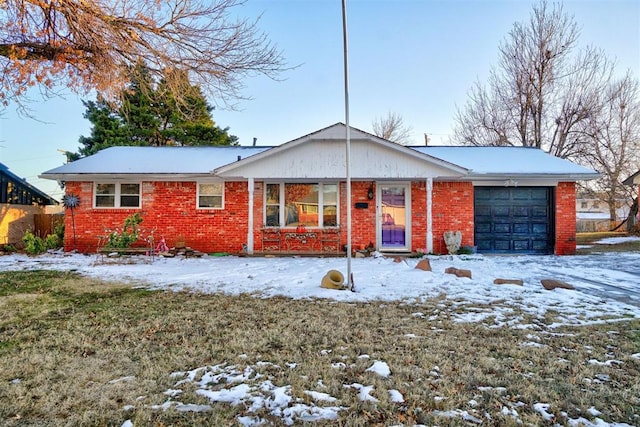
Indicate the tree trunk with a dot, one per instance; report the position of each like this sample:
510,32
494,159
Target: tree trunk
632,218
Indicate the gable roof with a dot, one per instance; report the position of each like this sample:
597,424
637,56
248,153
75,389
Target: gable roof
367,150
321,155
28,193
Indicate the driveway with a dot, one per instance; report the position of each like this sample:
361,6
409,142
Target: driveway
609,275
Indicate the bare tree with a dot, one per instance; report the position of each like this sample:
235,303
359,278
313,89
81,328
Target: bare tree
392,128
612,141
86,45
541,90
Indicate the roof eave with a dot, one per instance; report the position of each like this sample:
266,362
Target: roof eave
533,176
120,176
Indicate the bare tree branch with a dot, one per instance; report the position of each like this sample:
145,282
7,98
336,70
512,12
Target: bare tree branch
392,128
84,45
540,91
612,140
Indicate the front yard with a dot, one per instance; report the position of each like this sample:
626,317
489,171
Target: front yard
78,351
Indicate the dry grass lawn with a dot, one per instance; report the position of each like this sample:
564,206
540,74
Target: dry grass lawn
591,238
64,339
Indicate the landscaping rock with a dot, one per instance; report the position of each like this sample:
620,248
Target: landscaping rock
424,264
459,272
518,282
397,259
551,284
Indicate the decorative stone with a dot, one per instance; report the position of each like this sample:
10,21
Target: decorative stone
518,282
453,240
551,284
397,259
459,272
424,264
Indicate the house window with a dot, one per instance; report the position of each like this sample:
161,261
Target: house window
330,205
301,205
210,195
117,195
596,205
584,205
272,205
296,204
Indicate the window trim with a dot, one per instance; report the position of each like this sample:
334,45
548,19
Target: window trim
222,198
117,195
321,204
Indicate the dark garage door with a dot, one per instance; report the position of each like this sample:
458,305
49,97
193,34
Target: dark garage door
514,220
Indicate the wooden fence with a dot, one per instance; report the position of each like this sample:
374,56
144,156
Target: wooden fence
45,224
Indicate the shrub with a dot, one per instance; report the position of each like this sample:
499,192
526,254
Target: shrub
33,245
52,241
9,248
59,231
129,234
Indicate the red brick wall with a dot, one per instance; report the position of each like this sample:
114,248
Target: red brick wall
452,210
363,221
418,215
168,208
565,218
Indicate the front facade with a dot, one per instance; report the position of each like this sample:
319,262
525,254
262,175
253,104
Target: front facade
293,198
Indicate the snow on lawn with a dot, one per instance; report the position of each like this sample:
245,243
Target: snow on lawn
617,240
606,290
610,279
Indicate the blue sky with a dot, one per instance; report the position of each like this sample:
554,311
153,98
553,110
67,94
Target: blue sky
417,58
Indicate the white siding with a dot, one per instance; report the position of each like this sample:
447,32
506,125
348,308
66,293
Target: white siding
326,159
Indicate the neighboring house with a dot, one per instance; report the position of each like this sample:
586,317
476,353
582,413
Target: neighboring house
592,213
292,197
19,203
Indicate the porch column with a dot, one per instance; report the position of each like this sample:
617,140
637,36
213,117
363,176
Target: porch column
429,247
250,218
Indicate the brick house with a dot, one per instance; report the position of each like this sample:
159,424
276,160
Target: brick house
292,197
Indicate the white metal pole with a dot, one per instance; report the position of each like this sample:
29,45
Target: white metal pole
348,139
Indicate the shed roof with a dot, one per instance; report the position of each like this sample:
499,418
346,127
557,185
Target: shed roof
31,193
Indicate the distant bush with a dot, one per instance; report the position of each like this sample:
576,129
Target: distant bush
34,245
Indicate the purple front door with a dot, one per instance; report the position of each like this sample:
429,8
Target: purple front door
393,216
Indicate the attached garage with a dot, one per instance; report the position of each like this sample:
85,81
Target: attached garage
517,220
